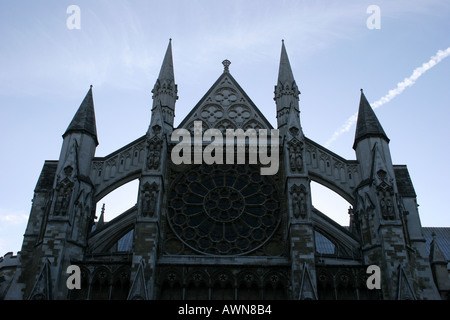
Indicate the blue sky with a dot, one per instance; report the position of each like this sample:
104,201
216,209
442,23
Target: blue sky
46,70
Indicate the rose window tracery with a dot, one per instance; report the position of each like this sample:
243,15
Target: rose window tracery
224,209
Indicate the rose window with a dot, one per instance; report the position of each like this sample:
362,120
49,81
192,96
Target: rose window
224,209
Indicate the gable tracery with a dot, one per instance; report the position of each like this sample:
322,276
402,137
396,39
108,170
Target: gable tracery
225,107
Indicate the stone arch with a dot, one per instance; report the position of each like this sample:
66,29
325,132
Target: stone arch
120,283
104,189
170,285
197,285
82,293
253,124
104,238
274,286
332,185
190,126
249,286
325,285
345,285
222,286
101,284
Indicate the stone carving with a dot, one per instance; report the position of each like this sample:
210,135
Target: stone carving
385,193
149,199
225,96
154,153
63,196
387,209
239,113
224,125
211,113
156,129
296,155
253,124
299,205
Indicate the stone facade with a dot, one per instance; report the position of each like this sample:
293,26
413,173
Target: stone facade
224,231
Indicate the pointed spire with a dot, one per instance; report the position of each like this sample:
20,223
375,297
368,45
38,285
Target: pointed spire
165,92
101,220
287,96
84,119
166,72
285,72
367,124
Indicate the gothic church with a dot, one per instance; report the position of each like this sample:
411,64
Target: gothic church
224,231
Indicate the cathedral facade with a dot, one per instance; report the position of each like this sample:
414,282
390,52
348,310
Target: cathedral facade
223,230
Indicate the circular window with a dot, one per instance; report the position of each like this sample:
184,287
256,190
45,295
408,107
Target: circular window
224,209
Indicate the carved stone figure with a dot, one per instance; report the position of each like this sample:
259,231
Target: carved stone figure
64,192
386,206
295,156
154,154
299,205
149,200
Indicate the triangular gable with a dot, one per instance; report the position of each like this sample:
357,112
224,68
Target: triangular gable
404,289
226,106
307,291
42,288
138,290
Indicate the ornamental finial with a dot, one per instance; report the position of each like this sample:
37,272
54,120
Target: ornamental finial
226,64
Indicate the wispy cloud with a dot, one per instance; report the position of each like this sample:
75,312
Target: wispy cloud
12,218
401,86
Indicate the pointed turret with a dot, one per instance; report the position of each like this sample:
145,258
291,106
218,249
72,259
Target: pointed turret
287,96
166,72
285,74
165,92
81,133
367,124
84,119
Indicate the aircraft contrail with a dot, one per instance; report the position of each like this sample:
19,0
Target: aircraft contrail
407,82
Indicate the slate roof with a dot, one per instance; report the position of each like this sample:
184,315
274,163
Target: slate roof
442,239
84,119
367,124
404,183
47,176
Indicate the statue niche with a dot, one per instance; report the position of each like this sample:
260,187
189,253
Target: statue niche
299,204
385,196
296,155
149,199
63,196
154,153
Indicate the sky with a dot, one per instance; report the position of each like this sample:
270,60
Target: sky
47,66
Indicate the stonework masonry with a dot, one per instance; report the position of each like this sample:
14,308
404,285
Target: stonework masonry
224,231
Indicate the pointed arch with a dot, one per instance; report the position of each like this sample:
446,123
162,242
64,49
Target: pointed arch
101,284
